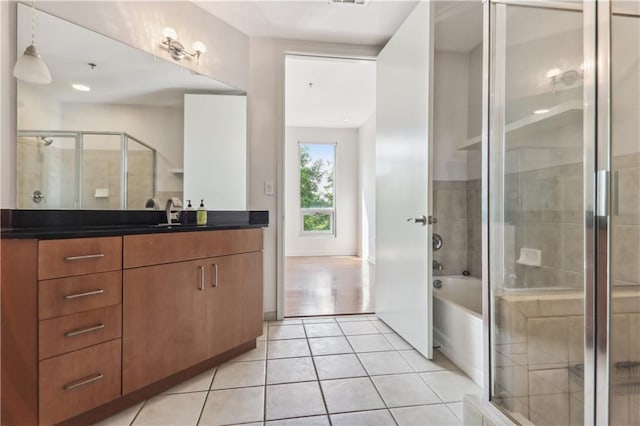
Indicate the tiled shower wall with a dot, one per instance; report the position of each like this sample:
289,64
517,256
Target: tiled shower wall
51,170
544,209
456,205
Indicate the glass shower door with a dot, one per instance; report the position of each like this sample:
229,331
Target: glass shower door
536,211
624,242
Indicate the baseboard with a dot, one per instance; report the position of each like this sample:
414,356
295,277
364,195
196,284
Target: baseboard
270,316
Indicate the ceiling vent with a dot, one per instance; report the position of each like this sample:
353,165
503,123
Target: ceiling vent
354,2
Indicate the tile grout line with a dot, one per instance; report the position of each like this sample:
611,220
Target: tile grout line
266,366
315,369
371,380
138,412
204,403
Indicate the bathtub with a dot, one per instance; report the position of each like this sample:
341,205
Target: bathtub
457,323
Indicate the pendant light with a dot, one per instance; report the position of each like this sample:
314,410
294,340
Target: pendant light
30,67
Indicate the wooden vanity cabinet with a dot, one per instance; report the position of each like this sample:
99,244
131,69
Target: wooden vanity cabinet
234,295
188,310
164,321
92,325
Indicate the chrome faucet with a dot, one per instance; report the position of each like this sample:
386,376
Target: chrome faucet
437,266
173,209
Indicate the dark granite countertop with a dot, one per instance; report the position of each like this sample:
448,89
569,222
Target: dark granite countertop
55,224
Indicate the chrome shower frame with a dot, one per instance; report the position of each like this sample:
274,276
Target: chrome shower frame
78,136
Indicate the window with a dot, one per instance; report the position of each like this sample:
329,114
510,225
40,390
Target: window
317,188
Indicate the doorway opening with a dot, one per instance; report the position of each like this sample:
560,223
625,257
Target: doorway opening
329,185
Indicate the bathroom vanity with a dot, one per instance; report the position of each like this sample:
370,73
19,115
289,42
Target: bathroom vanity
96,318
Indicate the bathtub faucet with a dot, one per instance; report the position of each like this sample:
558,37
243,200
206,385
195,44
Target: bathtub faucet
437,266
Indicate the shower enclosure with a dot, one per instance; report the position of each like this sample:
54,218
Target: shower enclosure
83,170
562,198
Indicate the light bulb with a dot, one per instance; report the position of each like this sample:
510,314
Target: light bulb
169,32
199,46
553,72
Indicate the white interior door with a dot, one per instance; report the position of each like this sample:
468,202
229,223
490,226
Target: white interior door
403,141
215,151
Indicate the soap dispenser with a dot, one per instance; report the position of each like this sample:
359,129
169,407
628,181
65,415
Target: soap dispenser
189,206
201,215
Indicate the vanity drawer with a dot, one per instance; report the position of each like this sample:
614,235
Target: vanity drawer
234,241
156,249
79,256
72,332
73,383
63,296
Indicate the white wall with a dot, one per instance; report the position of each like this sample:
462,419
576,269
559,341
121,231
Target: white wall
345,241
36,110
474,113
367,189
159,127
266,141
7,105
451,79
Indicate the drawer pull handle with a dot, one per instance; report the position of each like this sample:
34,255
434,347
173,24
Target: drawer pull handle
86,256
84,330
83,382
215,275
201,282
88,293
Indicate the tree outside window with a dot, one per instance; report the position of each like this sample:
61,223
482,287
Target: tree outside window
317,187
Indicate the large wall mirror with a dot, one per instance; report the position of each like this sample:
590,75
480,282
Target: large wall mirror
109,131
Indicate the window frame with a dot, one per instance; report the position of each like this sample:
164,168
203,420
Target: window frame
331,211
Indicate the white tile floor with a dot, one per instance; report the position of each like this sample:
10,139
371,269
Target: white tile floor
348,371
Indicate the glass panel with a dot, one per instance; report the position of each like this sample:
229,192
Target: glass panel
317,221
536,231
46,171
317,187
140,174
101,172
624,376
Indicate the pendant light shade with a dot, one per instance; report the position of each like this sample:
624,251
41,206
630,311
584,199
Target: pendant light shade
31,68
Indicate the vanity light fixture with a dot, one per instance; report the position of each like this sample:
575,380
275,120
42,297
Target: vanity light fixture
30,67
567,78
177,49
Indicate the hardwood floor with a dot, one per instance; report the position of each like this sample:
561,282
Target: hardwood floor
328,285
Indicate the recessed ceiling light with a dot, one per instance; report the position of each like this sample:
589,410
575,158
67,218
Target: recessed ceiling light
541,111
81,87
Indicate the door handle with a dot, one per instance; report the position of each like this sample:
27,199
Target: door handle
201,283
214,283
423,220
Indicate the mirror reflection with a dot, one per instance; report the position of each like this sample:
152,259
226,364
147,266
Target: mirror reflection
108,132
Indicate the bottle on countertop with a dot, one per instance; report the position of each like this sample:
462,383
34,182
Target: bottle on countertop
189,206
201,215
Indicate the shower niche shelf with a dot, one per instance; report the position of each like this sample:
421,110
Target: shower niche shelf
532,124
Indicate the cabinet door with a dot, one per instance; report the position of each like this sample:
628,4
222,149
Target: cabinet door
234,301
163,320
